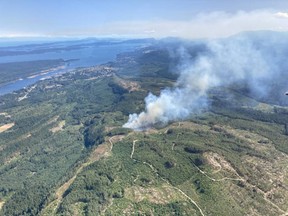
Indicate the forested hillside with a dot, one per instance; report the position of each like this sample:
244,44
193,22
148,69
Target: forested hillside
64,150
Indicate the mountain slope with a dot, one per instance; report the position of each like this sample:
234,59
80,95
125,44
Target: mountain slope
70,155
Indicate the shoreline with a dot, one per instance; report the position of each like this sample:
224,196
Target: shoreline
22,83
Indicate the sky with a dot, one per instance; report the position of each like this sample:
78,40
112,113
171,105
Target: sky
140,18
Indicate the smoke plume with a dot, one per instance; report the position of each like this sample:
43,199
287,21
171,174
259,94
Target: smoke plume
250,58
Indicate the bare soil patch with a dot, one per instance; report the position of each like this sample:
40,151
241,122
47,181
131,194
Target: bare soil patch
13,156
59,127
128,85
218,162
158,195
6,127
1,204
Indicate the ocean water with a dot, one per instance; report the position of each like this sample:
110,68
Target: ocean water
22,83
85,57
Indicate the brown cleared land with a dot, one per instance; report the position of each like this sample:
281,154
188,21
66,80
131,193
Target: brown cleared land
59,127
6,127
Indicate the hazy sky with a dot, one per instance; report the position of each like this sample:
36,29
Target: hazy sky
153,18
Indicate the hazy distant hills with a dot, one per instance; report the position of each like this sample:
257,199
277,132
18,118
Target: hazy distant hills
58,46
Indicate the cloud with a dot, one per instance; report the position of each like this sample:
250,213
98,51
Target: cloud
281,14
204,25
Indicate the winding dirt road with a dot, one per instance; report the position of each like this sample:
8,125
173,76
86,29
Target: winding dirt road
133,148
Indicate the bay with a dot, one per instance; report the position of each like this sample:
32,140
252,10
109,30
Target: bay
83,57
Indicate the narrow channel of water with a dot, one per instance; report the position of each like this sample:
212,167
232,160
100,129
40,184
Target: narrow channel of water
22,83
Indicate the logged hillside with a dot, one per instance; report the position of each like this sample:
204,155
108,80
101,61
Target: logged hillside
70,154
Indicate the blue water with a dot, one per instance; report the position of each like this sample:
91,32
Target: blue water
20,84
88,56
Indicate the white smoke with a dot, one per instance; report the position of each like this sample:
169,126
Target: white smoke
227,61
